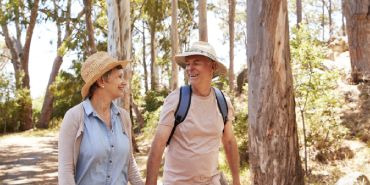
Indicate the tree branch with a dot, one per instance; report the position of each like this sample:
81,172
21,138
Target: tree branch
90,29
17,27
29,33
68,16
57,22
5,56
9,44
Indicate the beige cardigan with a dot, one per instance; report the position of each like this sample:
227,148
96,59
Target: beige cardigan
70,136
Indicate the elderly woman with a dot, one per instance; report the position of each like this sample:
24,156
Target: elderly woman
95,144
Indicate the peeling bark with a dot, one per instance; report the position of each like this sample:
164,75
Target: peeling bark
273,139
119,39
357,14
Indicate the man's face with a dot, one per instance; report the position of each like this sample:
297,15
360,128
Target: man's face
199,69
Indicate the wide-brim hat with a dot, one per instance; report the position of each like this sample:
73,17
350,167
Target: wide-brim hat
96,66
203,49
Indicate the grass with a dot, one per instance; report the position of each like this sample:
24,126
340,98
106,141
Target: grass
31,133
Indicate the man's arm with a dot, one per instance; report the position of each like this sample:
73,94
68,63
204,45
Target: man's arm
231,151
156,152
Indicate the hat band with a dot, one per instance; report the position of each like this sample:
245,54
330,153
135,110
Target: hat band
203,52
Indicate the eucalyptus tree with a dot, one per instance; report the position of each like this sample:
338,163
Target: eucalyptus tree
174,44
23,16
61,18
89,26
232,4
119,37
155,12
299,11
358,25
203,30
273,140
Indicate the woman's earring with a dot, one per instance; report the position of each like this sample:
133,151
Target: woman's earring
102,86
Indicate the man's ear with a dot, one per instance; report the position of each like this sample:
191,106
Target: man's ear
214,65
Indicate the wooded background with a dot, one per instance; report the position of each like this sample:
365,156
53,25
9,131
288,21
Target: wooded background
285,95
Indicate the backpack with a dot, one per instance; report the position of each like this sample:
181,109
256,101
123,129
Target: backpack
184,104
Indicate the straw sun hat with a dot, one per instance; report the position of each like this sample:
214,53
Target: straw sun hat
95,66
203,49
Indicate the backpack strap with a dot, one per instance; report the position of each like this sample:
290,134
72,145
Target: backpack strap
182,108
222,104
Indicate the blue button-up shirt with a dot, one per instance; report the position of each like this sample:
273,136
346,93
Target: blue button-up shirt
104,153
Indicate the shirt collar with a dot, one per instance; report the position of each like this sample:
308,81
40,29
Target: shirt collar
114,109
89,109
87,106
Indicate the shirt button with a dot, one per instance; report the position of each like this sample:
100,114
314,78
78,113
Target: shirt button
110,161
108,176
111,146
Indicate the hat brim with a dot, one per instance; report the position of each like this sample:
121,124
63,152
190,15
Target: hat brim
221,69
86,87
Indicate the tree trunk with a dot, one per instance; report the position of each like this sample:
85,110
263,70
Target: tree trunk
144,61
27,103
174,46
357,13
299,12
20,60
232,4
273,140
343,24
139,117
47,106
203,32
330,20
90,28
119,38
323,20
154,81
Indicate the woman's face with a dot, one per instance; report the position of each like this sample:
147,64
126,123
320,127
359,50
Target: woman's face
115,85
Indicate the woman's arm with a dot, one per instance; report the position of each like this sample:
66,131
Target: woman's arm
134,176
67,135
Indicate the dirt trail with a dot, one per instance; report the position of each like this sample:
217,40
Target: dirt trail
28,159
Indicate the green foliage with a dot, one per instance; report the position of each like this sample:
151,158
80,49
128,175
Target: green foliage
11,101
221,83
315,91
66,90
313,17
185,21
154,99
151,122
155,12
241,128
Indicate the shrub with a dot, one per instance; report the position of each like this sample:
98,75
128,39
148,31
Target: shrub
316,96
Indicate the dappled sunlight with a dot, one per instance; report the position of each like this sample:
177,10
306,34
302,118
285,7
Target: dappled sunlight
28,160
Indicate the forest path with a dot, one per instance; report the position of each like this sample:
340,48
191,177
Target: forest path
28,159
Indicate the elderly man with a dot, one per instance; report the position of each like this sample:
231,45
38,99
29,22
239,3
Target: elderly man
194,141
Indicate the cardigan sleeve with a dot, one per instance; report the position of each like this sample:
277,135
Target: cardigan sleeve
67,135
134,176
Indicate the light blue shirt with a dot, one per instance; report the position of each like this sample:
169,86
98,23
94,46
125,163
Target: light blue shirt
104,153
